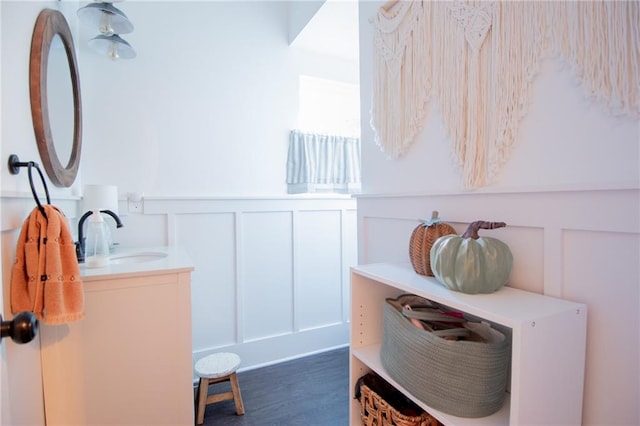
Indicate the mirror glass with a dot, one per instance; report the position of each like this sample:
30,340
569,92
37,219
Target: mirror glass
60,99
55,97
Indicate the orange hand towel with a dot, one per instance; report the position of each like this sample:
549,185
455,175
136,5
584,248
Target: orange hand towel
46,277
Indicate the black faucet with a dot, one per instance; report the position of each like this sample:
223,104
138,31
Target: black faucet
80,244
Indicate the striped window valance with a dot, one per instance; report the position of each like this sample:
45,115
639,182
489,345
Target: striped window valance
323,163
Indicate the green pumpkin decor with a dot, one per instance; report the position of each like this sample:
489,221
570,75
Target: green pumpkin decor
470,263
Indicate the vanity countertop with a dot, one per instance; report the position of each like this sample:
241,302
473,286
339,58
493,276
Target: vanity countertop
176,260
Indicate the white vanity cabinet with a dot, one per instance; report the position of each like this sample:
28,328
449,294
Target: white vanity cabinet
548,343
129,361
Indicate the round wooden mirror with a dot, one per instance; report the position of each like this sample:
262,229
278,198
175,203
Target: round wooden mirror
52,37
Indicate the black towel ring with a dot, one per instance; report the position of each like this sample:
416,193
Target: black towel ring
14,169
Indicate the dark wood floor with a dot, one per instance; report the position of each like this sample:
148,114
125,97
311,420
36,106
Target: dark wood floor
310,391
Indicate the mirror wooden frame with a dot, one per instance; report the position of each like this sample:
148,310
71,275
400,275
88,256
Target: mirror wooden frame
49,23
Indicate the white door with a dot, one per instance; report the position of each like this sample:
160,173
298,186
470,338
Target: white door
3,354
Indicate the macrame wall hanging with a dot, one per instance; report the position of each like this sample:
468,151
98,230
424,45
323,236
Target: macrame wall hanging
401,85
478,59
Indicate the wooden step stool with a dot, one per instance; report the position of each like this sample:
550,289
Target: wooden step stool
216,368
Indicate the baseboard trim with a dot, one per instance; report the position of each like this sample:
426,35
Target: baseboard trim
277,349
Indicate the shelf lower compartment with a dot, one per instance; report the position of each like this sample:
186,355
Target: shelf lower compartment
370,356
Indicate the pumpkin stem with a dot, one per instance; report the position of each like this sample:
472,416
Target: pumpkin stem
434,219
472,229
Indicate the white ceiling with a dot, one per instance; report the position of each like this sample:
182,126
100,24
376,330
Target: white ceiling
333,30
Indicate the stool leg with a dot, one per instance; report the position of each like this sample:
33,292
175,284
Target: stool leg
203,389
237,396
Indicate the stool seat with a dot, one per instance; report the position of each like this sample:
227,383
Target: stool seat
217,368
217,365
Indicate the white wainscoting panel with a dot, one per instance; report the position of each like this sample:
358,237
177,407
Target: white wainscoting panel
318,277
266,280
578,244
210,239
271,278
601,269
350,257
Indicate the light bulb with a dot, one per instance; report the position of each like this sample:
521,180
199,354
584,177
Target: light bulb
113,46
112,53
105,26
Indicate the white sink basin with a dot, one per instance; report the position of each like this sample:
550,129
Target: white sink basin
141,257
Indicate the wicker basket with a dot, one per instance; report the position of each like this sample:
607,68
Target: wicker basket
375,411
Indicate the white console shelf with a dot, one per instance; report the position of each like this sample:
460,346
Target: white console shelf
548,343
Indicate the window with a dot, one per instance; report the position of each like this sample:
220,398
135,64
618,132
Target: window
329,107
324,153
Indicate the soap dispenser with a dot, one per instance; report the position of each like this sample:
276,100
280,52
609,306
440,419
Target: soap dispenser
97,245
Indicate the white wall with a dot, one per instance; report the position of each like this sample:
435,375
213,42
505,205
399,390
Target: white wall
300,12
205,108
199,122
570,196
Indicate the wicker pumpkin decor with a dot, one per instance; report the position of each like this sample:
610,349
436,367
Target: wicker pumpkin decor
422,238
472,264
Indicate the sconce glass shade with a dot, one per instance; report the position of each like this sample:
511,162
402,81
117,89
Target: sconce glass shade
107,18
100,197
113,46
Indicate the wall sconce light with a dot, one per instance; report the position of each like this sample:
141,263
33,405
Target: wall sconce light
113,46
100,197
106,17
110,22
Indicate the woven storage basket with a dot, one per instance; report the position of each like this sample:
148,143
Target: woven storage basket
461,378
375,411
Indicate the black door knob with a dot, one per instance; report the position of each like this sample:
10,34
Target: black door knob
22,329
